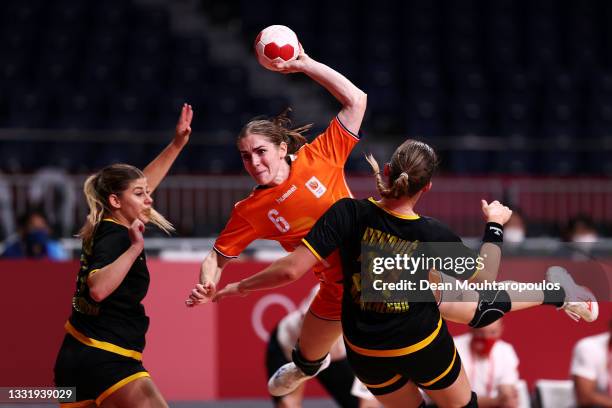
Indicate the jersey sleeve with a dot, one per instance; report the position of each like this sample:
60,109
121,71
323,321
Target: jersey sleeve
332,229
235,237
335,144
109,246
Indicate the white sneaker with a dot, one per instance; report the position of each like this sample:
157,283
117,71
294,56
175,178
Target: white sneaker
579,300
287,378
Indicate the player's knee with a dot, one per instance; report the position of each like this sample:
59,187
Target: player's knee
308,367
473,401
492,305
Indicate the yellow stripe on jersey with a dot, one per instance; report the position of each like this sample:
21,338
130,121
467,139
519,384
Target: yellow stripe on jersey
393,213
314,252
113,220
438,378
120,384
396,352
103,345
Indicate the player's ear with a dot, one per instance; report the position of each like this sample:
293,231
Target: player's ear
282,149
114,201
427,187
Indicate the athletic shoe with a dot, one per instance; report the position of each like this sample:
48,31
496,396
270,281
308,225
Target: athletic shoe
579,300
287,378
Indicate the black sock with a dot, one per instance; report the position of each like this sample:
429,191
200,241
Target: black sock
307,366
554,297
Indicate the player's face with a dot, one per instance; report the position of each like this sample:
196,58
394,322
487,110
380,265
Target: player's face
136,201
261,158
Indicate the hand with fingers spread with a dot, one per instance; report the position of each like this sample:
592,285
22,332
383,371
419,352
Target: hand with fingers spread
183,126
202,293
135,231
495,212
231,289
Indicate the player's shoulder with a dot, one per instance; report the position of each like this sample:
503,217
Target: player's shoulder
439,230
109,226
246,203
110,232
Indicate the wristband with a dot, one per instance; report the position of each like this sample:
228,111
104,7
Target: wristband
493,233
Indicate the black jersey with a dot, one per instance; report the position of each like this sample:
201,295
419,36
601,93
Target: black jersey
348,225
120,318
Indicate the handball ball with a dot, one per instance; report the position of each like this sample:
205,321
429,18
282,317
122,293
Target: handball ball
276,43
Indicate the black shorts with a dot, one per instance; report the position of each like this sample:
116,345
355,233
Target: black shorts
95,373
337,379
434,367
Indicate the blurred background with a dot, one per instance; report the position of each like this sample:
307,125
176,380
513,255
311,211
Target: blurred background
516,96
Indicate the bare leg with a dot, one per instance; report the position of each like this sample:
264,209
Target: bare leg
140,393
406,397
455,396
318,336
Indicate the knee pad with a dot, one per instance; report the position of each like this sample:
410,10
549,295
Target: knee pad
492,306
308,367
473,401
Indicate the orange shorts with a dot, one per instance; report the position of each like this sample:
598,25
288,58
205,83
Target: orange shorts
327,304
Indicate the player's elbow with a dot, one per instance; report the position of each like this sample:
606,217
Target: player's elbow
97,293
359,100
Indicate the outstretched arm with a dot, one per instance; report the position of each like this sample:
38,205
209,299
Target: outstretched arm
210,273
282,272
157,169
353,99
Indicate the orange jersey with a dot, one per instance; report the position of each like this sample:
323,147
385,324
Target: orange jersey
286,213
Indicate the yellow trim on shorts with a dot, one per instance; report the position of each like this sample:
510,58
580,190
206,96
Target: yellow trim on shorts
397,352
438,378
386,383
394,213
77,404
120,384
103,345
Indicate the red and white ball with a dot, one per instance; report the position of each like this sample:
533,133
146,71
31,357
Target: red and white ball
276,43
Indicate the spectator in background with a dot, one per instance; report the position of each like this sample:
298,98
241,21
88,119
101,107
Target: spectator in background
34,239
515,229
582,235
491,364
590,370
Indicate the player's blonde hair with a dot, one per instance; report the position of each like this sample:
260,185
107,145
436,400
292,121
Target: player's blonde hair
410,169
113,179
277,130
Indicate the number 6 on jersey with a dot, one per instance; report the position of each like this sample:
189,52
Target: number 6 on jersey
279,222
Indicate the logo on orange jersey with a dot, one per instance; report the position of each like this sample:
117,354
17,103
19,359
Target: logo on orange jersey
316,187
286,194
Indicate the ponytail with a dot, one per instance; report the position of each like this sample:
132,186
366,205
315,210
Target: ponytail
399,187
113,179
96,208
